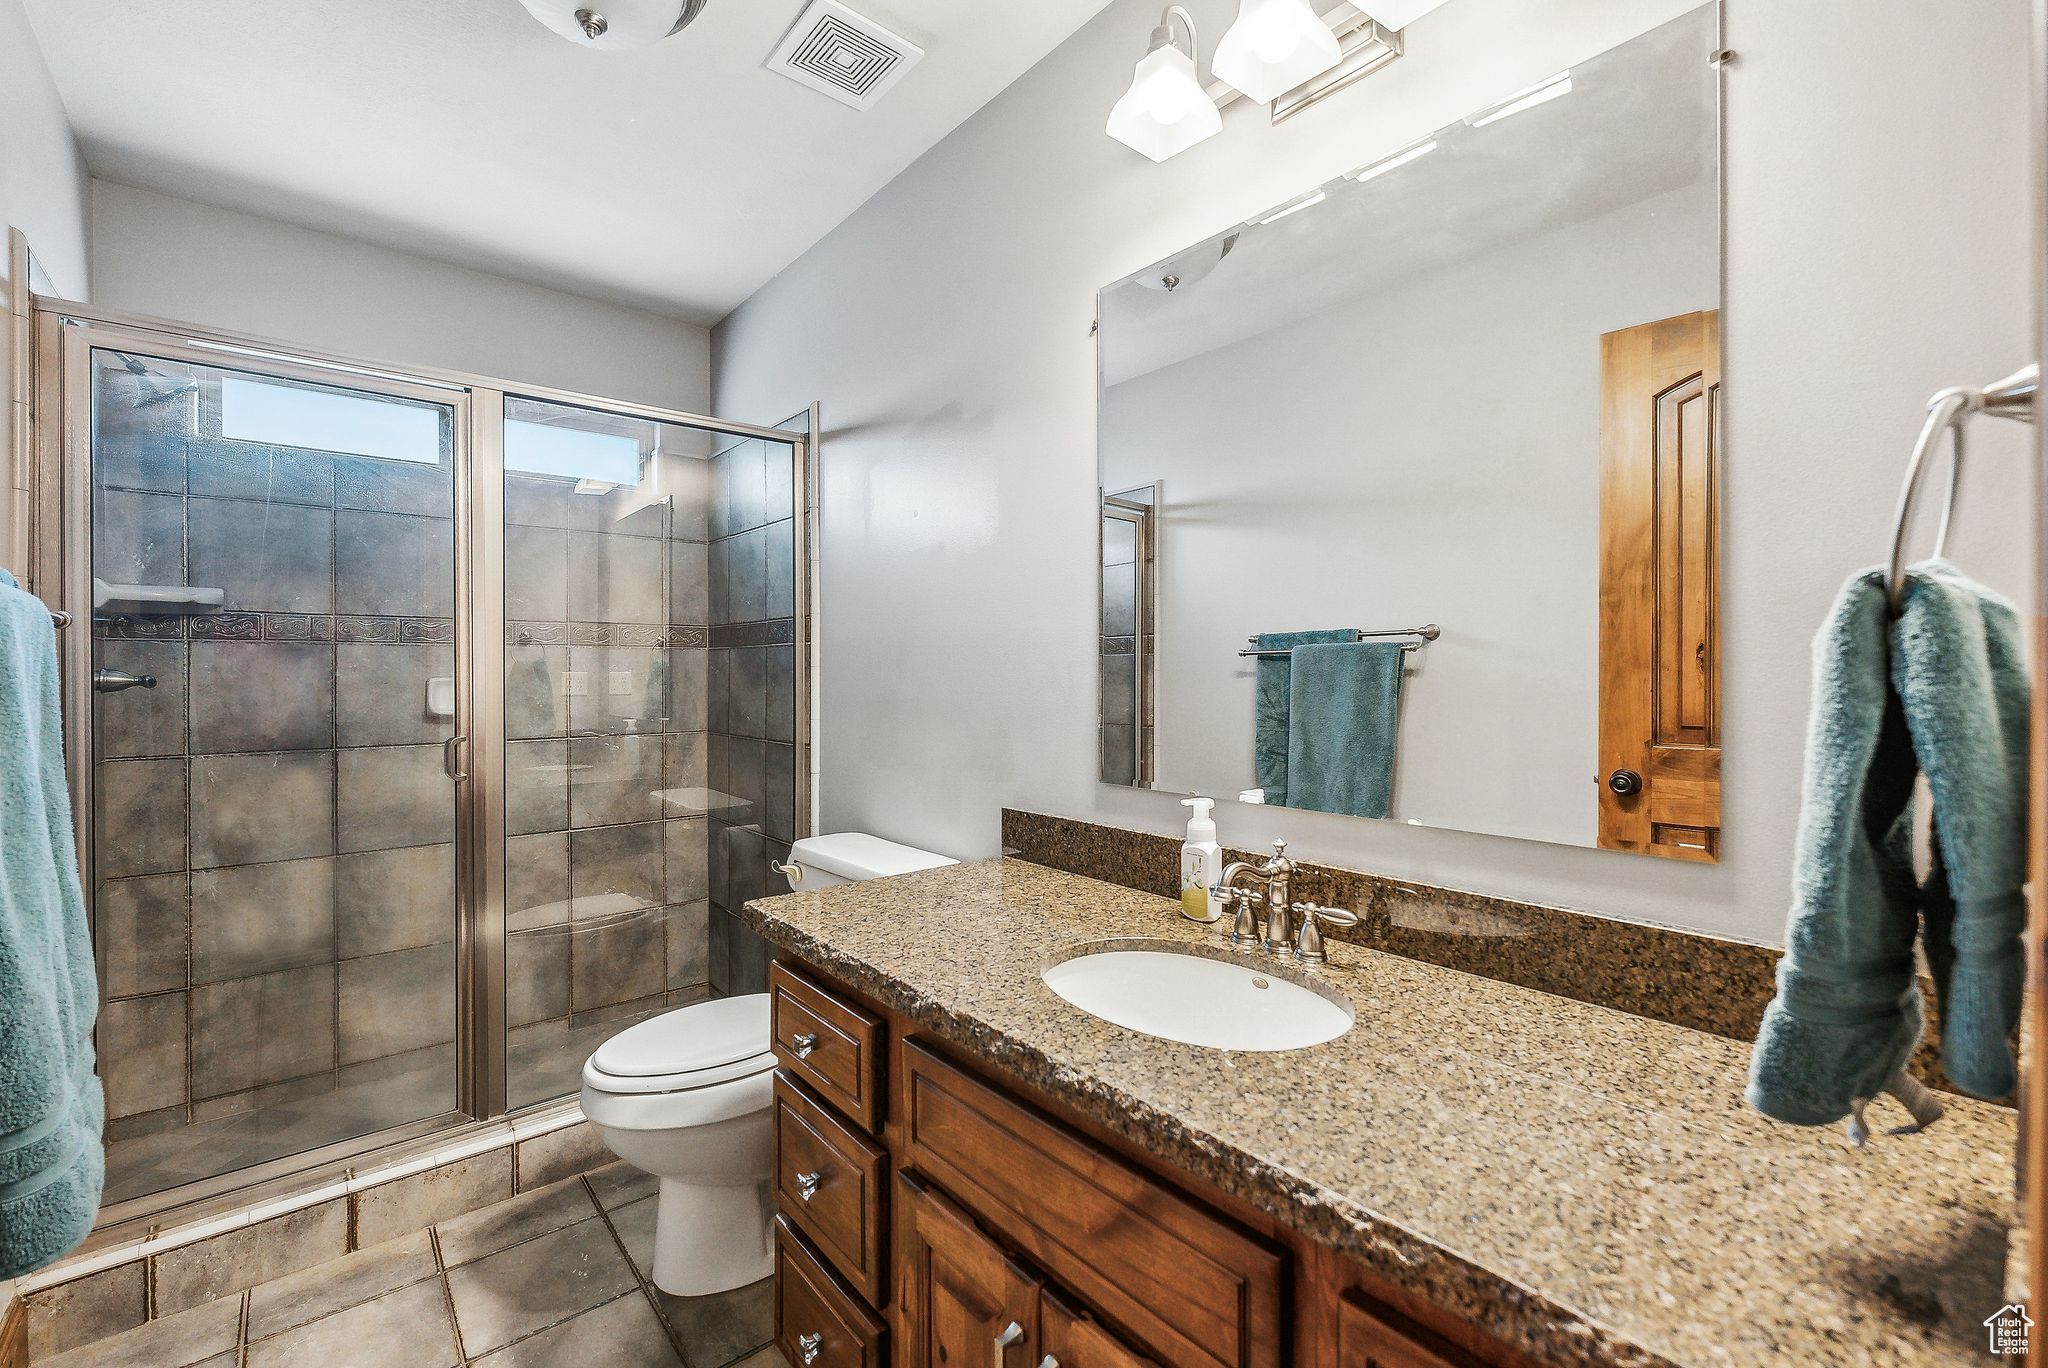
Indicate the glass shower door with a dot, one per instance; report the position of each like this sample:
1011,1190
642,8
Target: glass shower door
275,612
650,720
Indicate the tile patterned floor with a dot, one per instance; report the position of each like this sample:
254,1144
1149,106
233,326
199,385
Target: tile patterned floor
553,1278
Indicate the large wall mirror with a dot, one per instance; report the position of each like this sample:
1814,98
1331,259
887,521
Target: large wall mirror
1410,487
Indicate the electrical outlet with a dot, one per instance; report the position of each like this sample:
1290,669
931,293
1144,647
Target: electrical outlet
622,682
576,683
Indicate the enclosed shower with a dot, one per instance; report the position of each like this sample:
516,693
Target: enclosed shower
431,728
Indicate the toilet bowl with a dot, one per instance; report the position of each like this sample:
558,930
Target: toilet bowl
686,1096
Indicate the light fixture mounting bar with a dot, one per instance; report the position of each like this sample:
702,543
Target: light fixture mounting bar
1367,46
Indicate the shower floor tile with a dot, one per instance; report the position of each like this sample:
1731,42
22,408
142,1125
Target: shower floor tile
551,1278
145,1164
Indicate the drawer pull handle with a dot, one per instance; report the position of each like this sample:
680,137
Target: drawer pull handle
807,1346
807,1186
1048,1362
1011,1333
803,1044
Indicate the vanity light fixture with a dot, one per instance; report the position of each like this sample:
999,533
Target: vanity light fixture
1275,46
1541,93
1308,201
1412,152
1166,110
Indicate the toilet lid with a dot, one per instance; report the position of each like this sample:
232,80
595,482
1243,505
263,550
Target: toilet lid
703,1036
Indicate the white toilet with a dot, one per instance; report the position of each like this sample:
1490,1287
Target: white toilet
686,1097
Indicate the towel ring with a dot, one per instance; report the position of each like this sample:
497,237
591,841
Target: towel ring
2012,397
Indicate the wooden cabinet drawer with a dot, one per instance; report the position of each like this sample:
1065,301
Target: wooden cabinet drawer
829,1183
818,1322
829,1043
1373,1336
1197,1290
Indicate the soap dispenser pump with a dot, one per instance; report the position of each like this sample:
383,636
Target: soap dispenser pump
1201,863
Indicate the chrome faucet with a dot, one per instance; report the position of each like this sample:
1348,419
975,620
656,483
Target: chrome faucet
1277,875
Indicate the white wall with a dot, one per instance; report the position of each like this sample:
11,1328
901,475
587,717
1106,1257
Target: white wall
191,262
1878,229
43,188
1425,452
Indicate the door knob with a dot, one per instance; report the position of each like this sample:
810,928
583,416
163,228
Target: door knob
1625,782
113,681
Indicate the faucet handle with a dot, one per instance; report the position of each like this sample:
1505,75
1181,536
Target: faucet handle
1244,928
1309,940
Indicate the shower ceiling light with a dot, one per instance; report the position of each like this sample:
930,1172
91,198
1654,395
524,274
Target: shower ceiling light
1166,110
614,25
1274,46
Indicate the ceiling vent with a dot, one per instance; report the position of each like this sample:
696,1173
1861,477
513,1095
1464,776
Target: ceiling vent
843,54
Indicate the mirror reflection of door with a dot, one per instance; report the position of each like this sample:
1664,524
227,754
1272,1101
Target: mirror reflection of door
1660,628
1127,637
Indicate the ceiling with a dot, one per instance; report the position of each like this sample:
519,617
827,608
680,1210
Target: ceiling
678,178
1641,121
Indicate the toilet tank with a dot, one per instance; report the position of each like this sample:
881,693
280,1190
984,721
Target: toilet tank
850,857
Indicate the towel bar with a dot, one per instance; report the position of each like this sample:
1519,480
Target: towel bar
1428,632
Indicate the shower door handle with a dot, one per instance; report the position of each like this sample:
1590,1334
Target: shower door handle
451,748
113,681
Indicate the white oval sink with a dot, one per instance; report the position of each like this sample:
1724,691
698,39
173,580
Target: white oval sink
1197,1000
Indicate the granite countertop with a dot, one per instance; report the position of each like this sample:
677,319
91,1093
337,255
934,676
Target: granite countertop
1583,1183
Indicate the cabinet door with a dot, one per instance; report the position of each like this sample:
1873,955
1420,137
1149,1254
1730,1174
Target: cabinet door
966,1303
1071,1339
1369,1336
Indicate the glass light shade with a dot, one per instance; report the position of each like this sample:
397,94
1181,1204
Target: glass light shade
1166,110
1396,14
627,23
1273,47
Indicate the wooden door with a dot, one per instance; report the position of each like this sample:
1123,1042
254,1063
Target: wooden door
1072,1339
966,1304
1660,593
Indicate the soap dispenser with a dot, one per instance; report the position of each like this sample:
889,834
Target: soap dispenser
1201,863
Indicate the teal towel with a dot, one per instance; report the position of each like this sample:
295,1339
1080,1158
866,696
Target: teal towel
1941,688
1344,714
1961,668
51,1164
1269,734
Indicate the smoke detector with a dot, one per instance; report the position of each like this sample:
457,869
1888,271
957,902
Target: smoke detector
846,55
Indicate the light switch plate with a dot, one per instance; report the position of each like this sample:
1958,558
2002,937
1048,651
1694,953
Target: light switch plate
622,682
576,683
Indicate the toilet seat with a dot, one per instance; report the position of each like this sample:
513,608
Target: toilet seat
707,1062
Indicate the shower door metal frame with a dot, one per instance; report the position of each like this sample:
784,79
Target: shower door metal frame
65,332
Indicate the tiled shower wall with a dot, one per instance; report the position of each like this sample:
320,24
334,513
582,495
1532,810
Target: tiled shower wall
275,901
608,611
753,704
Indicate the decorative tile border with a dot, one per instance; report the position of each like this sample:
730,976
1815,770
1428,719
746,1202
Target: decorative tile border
650,635
276,627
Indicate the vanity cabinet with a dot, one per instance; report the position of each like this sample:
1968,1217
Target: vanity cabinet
931,1217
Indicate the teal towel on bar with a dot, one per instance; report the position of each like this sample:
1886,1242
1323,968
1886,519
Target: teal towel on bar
1960,665
1269,734
51,1163
1344,716
1940,687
